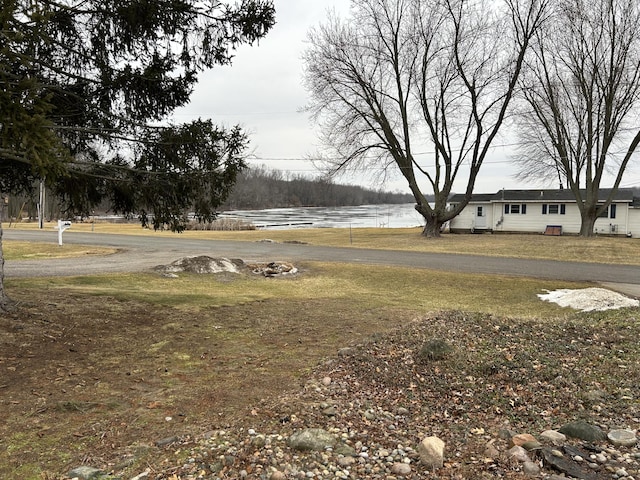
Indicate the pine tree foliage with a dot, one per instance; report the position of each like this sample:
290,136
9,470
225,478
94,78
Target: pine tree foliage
87,87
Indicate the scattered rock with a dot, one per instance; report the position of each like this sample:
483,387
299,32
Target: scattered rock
553,436
330,411
401,469
86,473
272,269
566,465
344,450
518,453
622,438
315,439
346,352
531,468
164,442
142,476
583,431
431,451
490,451
521,439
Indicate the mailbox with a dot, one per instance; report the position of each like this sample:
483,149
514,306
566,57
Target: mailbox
62,226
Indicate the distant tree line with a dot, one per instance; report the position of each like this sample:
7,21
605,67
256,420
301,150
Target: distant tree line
255,188
259,187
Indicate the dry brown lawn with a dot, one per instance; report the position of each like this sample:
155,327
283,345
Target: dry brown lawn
93,367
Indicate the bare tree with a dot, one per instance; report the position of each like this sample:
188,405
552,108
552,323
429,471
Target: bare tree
581,90
401,76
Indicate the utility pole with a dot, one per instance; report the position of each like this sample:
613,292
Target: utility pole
41,205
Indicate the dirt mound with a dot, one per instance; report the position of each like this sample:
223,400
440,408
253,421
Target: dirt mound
204,264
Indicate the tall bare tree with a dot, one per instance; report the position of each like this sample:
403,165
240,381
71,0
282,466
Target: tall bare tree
401,76
582,92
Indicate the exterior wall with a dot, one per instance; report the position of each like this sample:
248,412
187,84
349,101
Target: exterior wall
534,221
634,222
466,220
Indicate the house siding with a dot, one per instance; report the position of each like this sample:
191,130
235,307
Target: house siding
626,221
633,225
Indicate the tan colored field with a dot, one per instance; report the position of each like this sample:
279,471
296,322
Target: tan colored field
618,250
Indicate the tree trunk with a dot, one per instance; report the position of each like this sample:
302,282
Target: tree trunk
5,302
587,224
432,227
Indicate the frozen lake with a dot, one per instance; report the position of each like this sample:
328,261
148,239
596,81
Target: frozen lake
383,216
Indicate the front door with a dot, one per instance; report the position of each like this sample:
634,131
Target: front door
481,217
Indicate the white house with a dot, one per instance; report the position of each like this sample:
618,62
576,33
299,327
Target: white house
553,212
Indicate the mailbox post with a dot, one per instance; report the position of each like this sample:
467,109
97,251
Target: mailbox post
62,226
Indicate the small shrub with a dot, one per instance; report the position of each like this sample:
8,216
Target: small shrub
222,224
436,349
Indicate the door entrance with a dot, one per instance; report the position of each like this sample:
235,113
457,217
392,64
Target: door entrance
481,217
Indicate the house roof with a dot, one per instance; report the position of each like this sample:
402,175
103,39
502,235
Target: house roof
541,195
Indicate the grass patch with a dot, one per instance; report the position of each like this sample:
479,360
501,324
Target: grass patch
365,286
617,250
14,250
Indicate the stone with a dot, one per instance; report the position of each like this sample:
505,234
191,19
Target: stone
344,449
518,453
346,461
431,451
505,434
401,469
583,431
326,381
346,352
531,468
520,439
278,475
622,438
601,458
143,476
533,445
164,442
621,472
315,439
330,411
553,436
490,451
567,466
86,473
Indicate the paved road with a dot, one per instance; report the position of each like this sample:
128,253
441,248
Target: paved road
143,252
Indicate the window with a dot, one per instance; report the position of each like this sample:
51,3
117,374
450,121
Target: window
480,211
515,208
554,208
609,212
604,213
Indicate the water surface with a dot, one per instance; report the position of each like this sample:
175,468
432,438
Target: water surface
383,216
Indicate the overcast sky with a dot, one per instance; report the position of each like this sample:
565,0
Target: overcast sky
262,91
